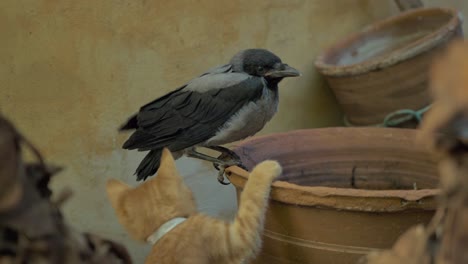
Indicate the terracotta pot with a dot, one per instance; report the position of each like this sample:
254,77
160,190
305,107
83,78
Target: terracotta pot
343,191
384,68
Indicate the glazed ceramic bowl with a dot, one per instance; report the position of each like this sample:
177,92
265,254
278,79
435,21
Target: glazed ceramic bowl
343,191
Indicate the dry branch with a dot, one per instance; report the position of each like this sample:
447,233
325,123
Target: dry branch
32,229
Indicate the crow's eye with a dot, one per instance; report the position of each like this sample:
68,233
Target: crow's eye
260,68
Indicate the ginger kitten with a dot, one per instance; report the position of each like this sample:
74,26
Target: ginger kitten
163,202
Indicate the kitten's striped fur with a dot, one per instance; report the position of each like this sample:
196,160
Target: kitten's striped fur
200,239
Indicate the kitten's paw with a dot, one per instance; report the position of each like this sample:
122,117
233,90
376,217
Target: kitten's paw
269,167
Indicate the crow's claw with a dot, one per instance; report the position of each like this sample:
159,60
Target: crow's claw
230,160
223,182
221,177
230,163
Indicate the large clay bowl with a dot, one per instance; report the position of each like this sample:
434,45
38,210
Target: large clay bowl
343,191
384,67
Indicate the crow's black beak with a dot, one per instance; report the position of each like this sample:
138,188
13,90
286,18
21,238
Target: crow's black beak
282,70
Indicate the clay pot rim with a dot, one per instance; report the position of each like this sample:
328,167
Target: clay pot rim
322,191
408,51
343,198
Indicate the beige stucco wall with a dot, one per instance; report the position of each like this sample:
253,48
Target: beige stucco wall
72,71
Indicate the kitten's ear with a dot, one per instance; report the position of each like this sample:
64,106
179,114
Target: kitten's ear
167,166
115,189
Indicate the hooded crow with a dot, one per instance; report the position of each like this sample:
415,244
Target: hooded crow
226,104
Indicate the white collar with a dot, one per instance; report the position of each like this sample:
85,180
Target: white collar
164,229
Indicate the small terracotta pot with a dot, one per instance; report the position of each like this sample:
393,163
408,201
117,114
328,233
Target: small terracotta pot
384,68
343,191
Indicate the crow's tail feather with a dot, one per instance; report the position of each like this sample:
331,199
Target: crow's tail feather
149,165
132,123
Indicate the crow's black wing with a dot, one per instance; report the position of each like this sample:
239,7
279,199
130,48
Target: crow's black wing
194,113
132,122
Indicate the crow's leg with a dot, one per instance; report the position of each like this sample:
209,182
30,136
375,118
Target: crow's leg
225,152
227,155
192,153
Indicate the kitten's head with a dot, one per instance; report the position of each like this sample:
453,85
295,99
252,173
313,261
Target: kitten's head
143,209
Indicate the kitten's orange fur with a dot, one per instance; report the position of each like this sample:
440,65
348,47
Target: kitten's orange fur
200,239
